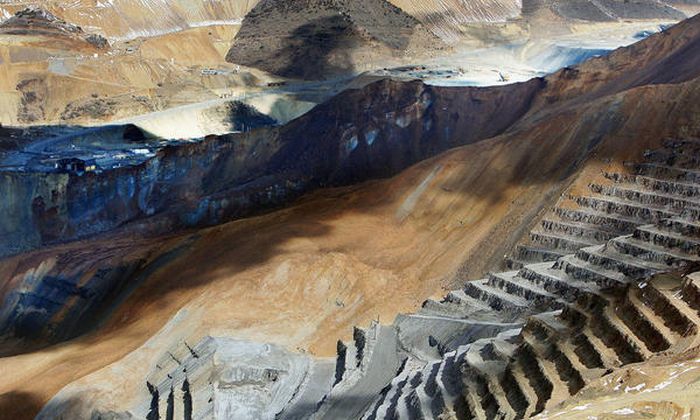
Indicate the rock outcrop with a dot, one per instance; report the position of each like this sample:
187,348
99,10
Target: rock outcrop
511,345
368,133
360,135
604,10
310,39
37,21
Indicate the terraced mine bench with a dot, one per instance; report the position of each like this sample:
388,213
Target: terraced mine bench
616,294
509,346
667,182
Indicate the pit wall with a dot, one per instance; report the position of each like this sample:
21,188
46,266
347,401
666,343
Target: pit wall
361,134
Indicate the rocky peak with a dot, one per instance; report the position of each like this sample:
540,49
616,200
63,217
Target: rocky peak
36,17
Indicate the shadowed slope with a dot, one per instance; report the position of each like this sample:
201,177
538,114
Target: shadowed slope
312,39
377,249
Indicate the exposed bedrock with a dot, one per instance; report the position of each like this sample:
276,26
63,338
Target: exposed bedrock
375,132
37,21
361,134
508,346
65,295
364,134
220,378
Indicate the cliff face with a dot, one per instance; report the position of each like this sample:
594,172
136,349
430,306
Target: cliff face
345,256
360,135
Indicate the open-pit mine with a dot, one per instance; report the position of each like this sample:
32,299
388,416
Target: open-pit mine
349,209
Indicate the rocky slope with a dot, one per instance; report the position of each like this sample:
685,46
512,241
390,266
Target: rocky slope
129,19
605,10
57,71
375,132
345,255
315,39
368,127
166,55
35,21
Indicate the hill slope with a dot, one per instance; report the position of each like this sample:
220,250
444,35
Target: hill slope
604,10
313,39
164,54
128,19
377,249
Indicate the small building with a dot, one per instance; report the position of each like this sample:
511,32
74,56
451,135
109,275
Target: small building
76,165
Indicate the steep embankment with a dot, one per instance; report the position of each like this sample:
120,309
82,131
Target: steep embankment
163,55
346,255
128,19
667,57
361,134
349,258
603,10
445,18
105,61
376,132
35,21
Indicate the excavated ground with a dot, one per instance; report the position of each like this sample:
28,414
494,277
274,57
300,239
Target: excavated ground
351,255
345,256
180,60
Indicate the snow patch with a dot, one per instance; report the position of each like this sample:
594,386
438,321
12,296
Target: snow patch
351,144
624,411
371,136
635,388
404,121
660,386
